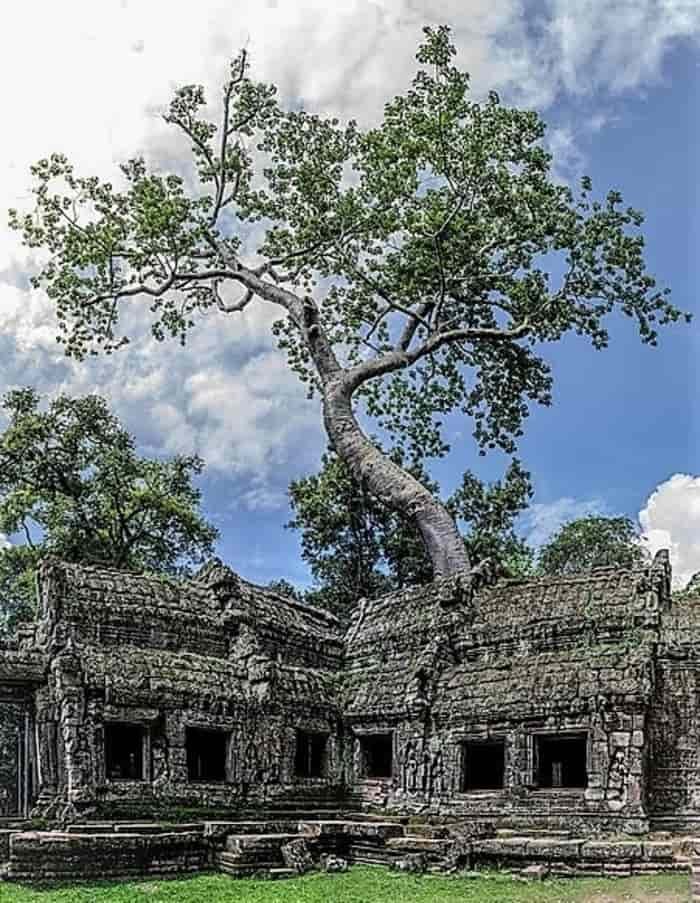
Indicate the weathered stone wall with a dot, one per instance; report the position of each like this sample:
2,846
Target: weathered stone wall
674,751
604,657
37,856
526,659
215,653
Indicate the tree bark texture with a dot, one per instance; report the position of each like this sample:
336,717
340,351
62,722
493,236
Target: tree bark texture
394,486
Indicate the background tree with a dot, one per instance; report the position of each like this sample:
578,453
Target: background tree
591,542
356,546
72,485
411,264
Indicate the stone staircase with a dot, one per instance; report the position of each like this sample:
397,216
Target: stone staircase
247,854
246,847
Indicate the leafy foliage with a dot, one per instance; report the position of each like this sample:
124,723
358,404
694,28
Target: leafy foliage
72,485
591,542
411,263
356,546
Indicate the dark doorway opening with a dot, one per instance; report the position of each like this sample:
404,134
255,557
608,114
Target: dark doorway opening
377,755
12,783
206,754
561,761
484,765
124,752
310,758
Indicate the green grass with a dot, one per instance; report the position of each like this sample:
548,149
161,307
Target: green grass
360,885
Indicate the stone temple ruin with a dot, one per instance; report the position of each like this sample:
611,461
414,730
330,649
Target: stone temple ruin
175,726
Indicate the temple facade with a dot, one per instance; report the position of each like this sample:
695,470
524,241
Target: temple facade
546,703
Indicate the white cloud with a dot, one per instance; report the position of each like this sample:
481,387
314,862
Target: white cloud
90,81
617,45
542,519
670,520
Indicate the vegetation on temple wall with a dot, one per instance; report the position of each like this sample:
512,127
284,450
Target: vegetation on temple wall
412,264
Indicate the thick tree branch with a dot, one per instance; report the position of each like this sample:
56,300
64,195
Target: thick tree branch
392,361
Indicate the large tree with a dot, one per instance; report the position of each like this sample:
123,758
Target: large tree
73,485
410,263
590,542
356,546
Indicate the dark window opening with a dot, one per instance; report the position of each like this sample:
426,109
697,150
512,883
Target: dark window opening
484,765
310,758
377,755
206,754
124,752
561,761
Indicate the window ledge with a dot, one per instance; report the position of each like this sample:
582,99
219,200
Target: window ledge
496,793
559,791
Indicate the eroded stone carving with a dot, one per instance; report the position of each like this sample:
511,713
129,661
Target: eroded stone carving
606,660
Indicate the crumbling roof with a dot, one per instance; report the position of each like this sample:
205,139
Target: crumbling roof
107,607
543,644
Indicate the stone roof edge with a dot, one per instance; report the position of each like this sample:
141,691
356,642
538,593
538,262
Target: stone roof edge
186,584
659,565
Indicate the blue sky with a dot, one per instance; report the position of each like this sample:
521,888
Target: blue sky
616,82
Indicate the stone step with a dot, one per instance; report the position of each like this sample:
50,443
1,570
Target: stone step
377,831
435,831
230,863
412,843
95,828
47,855
217,831
250,845
277,873
524,832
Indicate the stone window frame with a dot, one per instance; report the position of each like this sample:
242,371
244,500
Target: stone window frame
359,733
228,732
533,734
481,737
146,742
326,760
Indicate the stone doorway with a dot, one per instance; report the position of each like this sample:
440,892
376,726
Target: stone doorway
18,777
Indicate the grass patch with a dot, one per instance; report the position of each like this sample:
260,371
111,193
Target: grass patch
361,885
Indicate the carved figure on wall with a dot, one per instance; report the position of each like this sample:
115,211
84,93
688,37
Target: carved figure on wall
357,763
437,773
425,772
250,766
409,767
161,766
618,773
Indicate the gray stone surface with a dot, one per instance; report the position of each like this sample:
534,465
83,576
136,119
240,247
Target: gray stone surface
296,856
398,697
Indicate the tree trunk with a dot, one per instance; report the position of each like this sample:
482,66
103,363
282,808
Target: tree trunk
390,483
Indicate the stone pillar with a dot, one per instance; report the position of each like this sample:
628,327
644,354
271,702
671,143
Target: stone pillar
70,703
46,735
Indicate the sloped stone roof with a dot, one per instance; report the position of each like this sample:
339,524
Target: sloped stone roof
107,607
544,645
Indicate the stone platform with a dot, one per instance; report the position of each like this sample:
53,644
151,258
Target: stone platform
250,847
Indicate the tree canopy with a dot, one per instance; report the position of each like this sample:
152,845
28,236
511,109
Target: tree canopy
413,264
355,546
591,542
73,485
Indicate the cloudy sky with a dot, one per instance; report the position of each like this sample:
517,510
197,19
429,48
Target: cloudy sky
616,80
